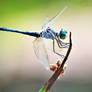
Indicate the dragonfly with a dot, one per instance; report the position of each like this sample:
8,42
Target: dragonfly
48,33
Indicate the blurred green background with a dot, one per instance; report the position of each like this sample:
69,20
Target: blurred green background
19,69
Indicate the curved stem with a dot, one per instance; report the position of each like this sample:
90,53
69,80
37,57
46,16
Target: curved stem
55,76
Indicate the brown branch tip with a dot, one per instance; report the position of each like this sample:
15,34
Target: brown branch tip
57,73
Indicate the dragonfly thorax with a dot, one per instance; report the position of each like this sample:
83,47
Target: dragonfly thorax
49,34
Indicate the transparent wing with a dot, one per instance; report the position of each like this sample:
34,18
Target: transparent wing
54,18
40,51
45,22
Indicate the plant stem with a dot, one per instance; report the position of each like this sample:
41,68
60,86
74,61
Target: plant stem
57,73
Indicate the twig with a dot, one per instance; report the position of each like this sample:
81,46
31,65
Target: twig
54,77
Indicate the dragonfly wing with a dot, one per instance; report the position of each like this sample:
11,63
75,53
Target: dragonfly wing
45,22
54,18
40,51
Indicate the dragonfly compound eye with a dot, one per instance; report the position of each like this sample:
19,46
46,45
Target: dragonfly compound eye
62,33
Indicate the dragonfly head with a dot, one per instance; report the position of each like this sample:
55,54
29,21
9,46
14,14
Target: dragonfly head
62,33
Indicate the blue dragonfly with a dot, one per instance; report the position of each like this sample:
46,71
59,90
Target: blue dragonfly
48,33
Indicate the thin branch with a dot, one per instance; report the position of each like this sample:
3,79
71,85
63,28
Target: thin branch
57,73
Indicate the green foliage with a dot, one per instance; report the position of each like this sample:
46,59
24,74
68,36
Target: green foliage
19,6
43,89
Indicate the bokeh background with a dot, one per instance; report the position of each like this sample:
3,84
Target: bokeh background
20,70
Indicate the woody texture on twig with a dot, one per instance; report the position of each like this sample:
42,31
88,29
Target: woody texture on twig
54,77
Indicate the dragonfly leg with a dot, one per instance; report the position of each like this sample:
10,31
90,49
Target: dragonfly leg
62,44
55,51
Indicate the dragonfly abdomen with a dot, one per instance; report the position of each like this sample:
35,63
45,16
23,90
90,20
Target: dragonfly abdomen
35,34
